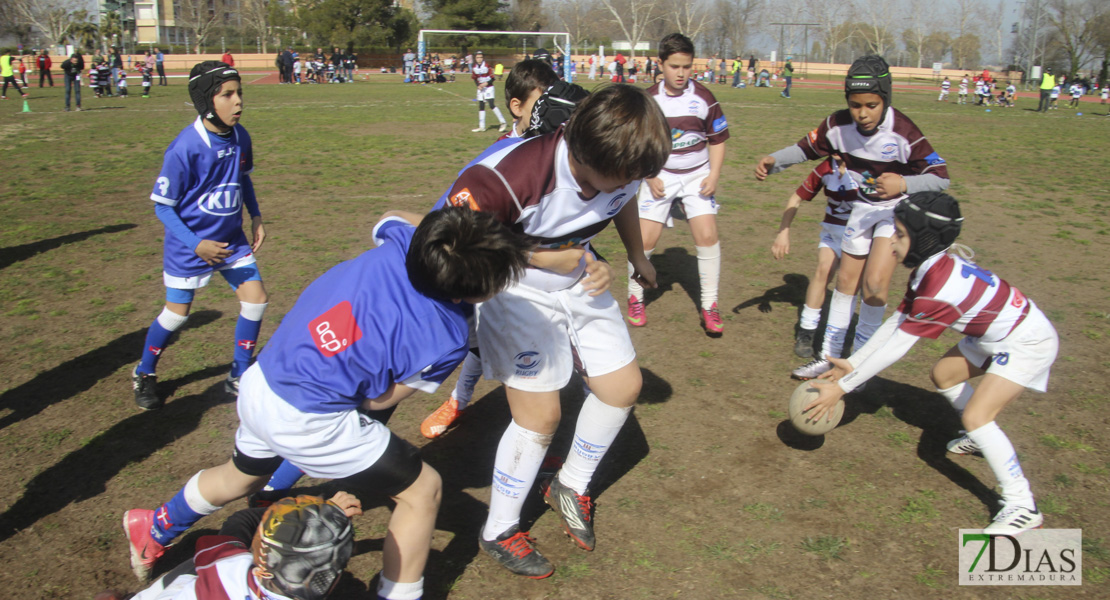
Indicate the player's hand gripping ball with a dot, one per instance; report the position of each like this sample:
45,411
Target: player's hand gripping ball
802,396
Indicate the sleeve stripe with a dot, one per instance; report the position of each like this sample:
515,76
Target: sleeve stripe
416,382
163,200
374,234
516,201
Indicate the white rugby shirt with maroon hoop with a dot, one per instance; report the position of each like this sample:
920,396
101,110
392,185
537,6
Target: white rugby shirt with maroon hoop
696,121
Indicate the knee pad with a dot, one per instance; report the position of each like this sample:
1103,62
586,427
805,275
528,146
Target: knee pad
252,312
171,321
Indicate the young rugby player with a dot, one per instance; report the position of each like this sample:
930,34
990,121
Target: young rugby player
945,86
963,91
840,189
482,74
365,335
698,132
888,157
199,196
562,190
1009,342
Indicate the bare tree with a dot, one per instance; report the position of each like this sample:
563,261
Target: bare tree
922,22
966,44
690,18
1075,23
51,17
582,19
874,29
995,29
633,17
199,17
830,18
731,25
256,17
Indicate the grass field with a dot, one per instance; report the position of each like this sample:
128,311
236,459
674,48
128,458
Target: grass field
706,493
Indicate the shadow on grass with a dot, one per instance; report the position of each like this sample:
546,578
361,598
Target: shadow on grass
14,254
675,266
82,373
921,408
83,473
792,292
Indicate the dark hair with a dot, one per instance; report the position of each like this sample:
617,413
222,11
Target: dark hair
461,253
675,43
528,75
620,131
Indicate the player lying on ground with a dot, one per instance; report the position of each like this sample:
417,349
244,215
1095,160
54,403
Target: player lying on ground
888,157
297,548
365,335
840,189
1010,343
562,190
199,197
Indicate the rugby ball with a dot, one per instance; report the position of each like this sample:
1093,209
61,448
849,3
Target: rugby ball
802,396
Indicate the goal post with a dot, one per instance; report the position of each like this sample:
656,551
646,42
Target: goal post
555,35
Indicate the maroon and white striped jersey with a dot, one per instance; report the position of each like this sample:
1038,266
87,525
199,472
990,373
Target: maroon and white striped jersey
696,122
840,190
896,146
529,187
948,291
222,572
481,73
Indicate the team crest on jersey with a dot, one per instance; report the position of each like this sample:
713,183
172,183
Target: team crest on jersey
615,205
224,200
464,199
335,330
694,107
528,363
889,150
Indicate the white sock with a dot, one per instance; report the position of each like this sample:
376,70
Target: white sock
468,378
497,113
870,317
481,119
635,289
597,427
709,273
958,395
840,316
391,590
518,460
811,317
1003,460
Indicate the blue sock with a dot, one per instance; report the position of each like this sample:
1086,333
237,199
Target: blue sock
157,338
285,477
173,518
246,338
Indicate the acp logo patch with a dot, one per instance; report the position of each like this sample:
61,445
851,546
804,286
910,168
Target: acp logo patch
527,363
224,200
813,136
464,199
615,205
335,330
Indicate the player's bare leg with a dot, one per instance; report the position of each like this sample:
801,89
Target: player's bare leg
226,483
410,528
650,232
875,285
827,263
708,247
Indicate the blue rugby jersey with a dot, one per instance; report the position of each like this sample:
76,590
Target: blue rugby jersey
202,178
361,327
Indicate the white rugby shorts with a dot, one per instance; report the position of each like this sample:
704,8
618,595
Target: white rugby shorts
687,187
199,281
1023,357
831,237
486,93
325,446
867,221
526,336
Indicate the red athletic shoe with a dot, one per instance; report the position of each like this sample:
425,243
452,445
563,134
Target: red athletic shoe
144,550
437,423
711,320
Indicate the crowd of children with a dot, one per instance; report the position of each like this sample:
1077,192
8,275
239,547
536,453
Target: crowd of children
508,251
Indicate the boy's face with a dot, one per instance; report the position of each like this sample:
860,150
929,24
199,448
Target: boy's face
522,110
676,72
228,102
901,241
866,109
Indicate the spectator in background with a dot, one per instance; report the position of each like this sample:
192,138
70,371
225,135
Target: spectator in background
44,68
736,65
8,75
788,75
337,62
227,58
752,65
722,71
71,75
409,59
287,64
159,59
115,61
148,61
